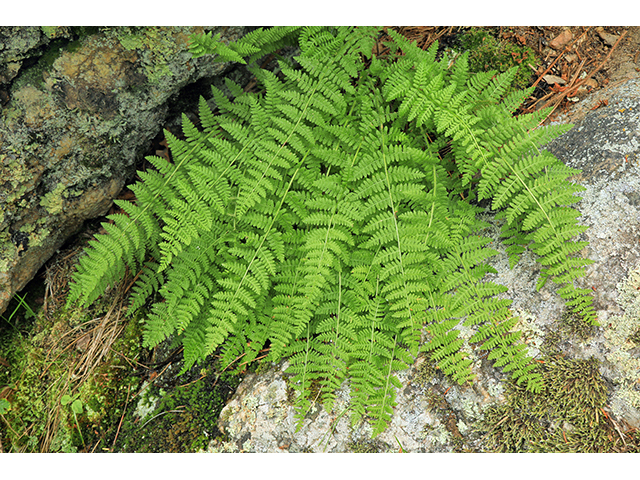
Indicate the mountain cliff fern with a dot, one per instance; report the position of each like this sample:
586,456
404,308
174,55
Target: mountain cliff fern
333,218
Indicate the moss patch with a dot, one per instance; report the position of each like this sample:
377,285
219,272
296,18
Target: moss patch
486,52
364,447
571,324
86,354
568,415
185,418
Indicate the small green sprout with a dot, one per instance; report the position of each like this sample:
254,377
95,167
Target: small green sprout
76,408
5,406
29,313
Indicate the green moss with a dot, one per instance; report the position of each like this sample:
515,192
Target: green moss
42,356
568,415
513,430
425,371
571,324
185,418
486,52
363,447
551,343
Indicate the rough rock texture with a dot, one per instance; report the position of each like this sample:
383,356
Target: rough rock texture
432,414
606,147
75,117
17,44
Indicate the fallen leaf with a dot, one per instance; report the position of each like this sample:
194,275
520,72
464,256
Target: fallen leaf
551,79
561,40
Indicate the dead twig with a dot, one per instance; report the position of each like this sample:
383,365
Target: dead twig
566,49
126,403
564,92
578,83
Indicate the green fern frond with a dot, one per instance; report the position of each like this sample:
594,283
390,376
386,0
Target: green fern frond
148,283
254,45
330,219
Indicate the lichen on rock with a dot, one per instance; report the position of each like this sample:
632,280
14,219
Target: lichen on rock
76,121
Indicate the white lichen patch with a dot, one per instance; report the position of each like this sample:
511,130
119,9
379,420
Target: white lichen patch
495,389
630,296
439,435
531,333
462,427
617,331
465,401
147,402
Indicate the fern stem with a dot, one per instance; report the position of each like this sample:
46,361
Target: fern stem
397,231
273,220
387,389
283,144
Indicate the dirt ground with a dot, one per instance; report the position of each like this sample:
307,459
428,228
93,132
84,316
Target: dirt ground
619,62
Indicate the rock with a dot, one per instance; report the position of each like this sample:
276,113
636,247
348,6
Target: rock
16,45
551,79
607,38
434,415
561,40
76,119
260,418
605,145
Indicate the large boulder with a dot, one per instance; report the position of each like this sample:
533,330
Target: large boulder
79,108
435,415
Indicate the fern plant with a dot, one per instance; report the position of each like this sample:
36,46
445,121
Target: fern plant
333,218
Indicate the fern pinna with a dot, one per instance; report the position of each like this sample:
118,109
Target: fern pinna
332,218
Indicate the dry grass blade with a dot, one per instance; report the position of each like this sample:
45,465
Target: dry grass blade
102,338
94,344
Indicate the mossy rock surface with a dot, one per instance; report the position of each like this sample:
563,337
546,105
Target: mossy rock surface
78,116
